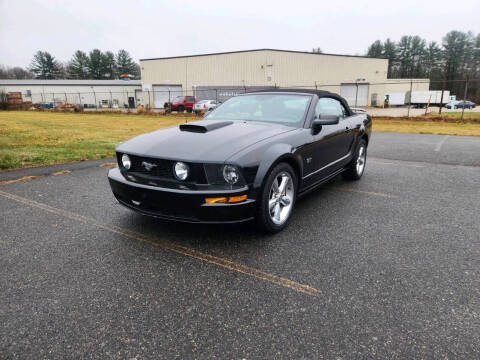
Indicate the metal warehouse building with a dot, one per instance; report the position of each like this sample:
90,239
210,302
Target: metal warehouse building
361,80
89,93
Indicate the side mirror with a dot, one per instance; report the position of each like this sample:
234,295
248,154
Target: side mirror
324,120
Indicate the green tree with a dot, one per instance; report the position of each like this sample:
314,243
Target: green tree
390,53
418,46
96,65
109,66
375,50
405,56
45,66
78,67
457,58
125,64
459,50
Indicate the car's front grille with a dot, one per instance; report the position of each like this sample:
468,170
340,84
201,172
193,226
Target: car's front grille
149,169
153,167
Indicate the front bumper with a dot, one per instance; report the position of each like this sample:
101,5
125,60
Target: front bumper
180,205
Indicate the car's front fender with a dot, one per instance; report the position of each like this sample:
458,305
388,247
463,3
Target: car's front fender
273,155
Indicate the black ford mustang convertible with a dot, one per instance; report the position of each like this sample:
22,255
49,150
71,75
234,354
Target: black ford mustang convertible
250,158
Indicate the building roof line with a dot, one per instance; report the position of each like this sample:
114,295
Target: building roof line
255,50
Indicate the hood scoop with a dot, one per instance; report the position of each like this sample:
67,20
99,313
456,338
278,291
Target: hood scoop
204,126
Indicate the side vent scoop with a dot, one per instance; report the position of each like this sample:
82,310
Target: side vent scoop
204,126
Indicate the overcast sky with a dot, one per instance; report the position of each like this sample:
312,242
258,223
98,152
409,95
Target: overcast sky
169,28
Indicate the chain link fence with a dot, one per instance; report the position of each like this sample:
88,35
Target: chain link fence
394,97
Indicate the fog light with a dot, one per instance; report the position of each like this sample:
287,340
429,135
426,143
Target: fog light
230,174
126,161
181,170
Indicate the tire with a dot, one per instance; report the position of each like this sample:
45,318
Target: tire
180,109
272,219
356,168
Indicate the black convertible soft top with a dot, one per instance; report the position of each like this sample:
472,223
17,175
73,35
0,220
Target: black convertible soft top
319,93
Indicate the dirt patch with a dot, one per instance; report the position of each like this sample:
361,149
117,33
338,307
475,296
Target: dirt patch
105,164
62,172
25,178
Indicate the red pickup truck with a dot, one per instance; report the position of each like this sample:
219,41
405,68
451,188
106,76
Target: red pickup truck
180,104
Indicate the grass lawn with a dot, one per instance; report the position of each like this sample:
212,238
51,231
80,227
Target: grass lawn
448,124
29,138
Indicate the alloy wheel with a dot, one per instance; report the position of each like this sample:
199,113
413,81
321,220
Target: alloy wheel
281,197
361,160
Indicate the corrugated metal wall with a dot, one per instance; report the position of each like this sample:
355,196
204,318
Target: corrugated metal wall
264,68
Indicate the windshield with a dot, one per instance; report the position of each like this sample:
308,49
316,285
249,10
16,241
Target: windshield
178,98
202,102
278,108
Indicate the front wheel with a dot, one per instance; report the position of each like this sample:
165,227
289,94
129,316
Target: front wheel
356,168
277,200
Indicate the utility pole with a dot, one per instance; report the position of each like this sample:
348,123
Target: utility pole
410,102
443,84
356,94
464,96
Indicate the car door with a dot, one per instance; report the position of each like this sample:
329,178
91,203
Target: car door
189,101
332,144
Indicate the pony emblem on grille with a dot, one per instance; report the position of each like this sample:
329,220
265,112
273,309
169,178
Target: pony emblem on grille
148,166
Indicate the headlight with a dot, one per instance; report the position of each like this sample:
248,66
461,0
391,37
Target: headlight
180,170
230,174
126,161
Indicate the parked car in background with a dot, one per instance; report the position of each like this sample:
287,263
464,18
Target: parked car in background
247,159
204,105
461,104
45,105
180,104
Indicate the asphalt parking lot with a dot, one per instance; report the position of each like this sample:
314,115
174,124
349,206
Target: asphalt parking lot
387,267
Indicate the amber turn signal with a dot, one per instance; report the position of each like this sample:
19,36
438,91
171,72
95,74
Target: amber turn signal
231,199
216,200
237,198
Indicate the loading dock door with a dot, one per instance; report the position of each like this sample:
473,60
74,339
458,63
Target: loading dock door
349,92
164,93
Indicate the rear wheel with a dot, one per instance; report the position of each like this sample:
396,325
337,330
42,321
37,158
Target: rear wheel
277,200
357,166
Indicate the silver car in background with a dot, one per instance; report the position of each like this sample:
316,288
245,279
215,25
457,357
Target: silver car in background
204,105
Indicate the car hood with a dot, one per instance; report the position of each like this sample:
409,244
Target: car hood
201,141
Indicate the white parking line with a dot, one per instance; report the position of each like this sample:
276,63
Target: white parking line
439,145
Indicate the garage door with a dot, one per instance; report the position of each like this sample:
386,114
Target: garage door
349,92
164,93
